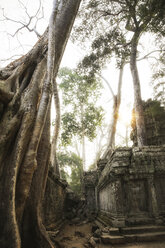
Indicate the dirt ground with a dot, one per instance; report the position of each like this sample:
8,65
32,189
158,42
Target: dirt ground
76,236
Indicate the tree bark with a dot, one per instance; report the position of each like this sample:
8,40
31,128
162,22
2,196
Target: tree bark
83,136
115,115
139,115
33,231
54,161
51,65
24,138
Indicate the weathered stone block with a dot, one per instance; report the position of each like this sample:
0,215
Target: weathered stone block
132,193
109,239
54,201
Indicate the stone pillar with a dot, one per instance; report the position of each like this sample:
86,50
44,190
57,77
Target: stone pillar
90,181
97,198
153,201
120,217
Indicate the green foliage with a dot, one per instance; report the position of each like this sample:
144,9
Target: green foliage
157,24
108,23
92,118
70,127
78,87
111,44
74,163
81,115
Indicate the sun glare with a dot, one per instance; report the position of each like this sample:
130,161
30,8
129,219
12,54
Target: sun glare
124,127
125,116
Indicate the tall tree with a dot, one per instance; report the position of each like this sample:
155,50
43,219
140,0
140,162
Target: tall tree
115,113
25,94
141,18
132,18
95,61
81,115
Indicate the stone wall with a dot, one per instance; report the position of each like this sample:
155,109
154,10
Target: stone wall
90,180
131,187
54,201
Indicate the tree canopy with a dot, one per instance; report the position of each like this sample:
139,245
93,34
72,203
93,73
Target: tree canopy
80,115
71,169
116,28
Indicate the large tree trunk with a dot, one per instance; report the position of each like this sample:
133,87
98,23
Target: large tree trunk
115,114
54,161
83,137
139,115
24,140
52,57
116,106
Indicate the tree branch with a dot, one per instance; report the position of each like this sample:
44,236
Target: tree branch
107,83
30,19
147,55
107,13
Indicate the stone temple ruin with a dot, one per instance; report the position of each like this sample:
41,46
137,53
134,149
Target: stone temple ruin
129,190
126,193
